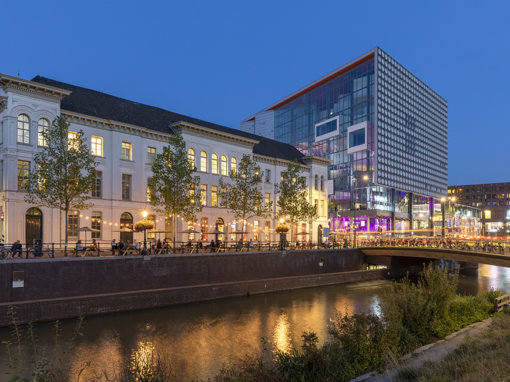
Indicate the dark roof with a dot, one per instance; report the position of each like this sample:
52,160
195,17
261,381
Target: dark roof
102,105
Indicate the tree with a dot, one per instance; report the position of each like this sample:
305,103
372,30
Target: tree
241,194
174,190
293,201
64,171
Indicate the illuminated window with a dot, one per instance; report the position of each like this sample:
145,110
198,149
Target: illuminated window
214,163
203,161
214,196
191,193
233,165
150,191
23,129
203,194
96,145
23,173
267,199
203,228
127,153
224,165
42,127
95,223
191,158
73,141
151,154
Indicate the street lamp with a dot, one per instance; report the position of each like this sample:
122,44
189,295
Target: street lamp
144,252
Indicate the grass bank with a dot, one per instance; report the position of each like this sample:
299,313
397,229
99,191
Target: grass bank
486,358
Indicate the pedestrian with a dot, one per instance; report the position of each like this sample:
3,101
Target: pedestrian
17,249
114,247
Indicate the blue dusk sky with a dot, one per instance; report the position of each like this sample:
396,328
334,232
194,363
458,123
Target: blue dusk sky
222,61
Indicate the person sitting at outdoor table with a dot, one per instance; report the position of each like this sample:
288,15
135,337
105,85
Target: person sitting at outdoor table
158,244
94,244
212,246
250,244
79,247
189,244
200,245
16,249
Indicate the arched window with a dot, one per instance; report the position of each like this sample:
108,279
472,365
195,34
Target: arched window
42,127
203,161
224,165
191,158
322,182
316,182
214,163
23,129
233,165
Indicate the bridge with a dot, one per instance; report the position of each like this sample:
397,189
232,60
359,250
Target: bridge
410,259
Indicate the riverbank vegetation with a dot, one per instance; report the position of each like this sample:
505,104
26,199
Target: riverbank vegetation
482,359
411,314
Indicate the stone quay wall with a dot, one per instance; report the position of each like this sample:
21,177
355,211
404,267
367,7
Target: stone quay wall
48,289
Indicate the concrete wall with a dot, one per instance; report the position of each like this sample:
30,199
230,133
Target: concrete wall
61,288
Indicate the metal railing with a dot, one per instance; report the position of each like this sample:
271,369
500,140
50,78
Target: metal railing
473,245
106,248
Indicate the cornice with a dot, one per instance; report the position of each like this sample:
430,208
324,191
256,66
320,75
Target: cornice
10,82
314,158
276,161
113,125
212,132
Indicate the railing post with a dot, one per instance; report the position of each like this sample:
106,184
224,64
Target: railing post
53,250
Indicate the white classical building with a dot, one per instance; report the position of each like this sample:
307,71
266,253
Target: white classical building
125,136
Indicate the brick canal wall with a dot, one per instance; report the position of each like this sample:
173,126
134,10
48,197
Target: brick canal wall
70,287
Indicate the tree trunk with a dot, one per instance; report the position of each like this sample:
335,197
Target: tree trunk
65,227
173,230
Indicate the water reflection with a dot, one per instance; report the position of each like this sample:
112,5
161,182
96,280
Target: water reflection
196,339
281,335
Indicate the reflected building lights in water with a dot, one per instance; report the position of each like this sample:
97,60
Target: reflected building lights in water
281,334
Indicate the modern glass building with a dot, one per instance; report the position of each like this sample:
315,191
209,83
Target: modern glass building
386,133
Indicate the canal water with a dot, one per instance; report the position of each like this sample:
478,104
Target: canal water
197,339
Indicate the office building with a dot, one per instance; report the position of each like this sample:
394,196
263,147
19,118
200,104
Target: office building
494,201
386,134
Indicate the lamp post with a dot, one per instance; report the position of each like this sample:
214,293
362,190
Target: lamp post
282,236
144,252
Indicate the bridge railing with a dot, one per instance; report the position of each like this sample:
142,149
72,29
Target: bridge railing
473,245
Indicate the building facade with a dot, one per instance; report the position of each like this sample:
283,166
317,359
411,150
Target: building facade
386,134
494,201
125,137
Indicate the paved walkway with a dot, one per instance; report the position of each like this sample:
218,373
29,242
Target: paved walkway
432,352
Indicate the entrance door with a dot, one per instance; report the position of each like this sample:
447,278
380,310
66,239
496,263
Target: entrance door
319,234
126,227
33,226
220,226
